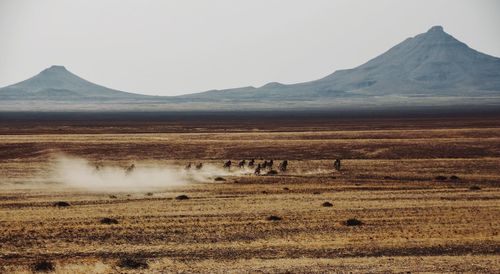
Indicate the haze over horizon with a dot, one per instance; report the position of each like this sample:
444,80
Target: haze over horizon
180,47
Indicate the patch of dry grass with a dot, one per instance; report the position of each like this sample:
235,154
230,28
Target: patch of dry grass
411,222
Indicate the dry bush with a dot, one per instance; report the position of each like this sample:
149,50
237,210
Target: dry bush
109,221
353,222
274,218
327,204
61,204
182,197
43,266
133,263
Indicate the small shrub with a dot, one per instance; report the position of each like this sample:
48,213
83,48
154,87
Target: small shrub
149,194
273,218
219,179
475,188
43,266
454,178
327,204
112,197
264,192
182,197
109,221
61,204
133,263
440,178
316,193
286,188
353,222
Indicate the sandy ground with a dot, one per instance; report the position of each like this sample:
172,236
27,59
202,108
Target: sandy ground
411,221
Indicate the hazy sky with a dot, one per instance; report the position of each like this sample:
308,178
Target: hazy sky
175,47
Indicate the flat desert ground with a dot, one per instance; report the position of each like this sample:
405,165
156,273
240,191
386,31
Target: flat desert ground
426,191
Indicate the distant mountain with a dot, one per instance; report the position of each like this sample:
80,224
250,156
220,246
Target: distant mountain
57,83
432,68
430,64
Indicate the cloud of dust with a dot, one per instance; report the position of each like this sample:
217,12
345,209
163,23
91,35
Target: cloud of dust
79,173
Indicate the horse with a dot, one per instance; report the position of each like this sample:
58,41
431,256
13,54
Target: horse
129,169
257,170
336,164
241,164
283,166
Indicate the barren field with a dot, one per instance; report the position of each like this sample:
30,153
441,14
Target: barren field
426,192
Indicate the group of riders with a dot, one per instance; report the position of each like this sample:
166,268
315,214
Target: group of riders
260,167
266,166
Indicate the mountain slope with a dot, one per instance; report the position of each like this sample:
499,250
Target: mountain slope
428,63
431,64
432,68
57,83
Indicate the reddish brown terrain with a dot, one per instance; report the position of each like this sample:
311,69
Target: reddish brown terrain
426,191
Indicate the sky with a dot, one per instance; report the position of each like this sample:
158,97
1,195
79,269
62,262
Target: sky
173,47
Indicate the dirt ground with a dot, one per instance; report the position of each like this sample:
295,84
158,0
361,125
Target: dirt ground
411,219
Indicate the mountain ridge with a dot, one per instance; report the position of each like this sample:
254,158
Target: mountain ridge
425,53
57,77
430,64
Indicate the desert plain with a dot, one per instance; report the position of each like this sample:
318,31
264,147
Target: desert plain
425,191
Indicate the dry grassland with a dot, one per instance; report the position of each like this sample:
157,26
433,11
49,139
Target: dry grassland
411,221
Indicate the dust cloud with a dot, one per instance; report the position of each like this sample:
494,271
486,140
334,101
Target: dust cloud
80,173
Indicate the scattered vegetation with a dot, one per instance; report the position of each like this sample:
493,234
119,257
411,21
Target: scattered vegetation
182,197
219,179
327,204
454,178
274,218
43,266
133,263
237,214
440,178
286,188
61,204
474,187
353,222
109,221
112,197
149,194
